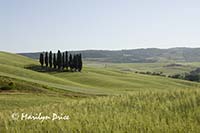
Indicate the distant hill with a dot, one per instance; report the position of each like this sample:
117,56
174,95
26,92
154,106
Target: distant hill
148,55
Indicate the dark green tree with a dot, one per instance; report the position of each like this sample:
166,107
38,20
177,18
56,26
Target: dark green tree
70,62
63,60
50,59
80,63
54,61
59,59
46,59
73,62
66,60
42,59
76,62
192,77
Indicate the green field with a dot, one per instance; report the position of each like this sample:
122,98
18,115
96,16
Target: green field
101,98
163,67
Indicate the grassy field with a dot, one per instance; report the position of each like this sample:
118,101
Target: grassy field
166,68
99,99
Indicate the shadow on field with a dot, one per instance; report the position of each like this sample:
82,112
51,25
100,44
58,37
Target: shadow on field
44,69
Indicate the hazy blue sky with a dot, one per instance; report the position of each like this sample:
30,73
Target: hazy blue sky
37,25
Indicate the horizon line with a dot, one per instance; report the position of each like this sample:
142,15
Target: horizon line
73,50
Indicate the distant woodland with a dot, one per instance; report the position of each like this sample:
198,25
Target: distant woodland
149,55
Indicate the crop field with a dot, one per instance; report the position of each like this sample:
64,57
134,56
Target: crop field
167,68
101,98
146,111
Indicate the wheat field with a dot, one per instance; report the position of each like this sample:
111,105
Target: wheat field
95,100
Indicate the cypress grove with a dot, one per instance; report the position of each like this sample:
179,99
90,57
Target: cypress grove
61,61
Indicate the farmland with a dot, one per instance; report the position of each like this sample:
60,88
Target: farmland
98,99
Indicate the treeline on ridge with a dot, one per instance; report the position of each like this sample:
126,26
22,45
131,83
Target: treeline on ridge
61,61
193,75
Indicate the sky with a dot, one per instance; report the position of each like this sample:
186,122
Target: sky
40,25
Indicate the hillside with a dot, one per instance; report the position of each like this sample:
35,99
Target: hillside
90,81
98,99
148,55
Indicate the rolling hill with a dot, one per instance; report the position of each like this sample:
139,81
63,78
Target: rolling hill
98,99
91,80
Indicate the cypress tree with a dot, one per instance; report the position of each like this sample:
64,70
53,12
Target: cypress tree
54,61
66,60
76,62
70,62
41,59
59,59
50,59
46,59
63,60
80,63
